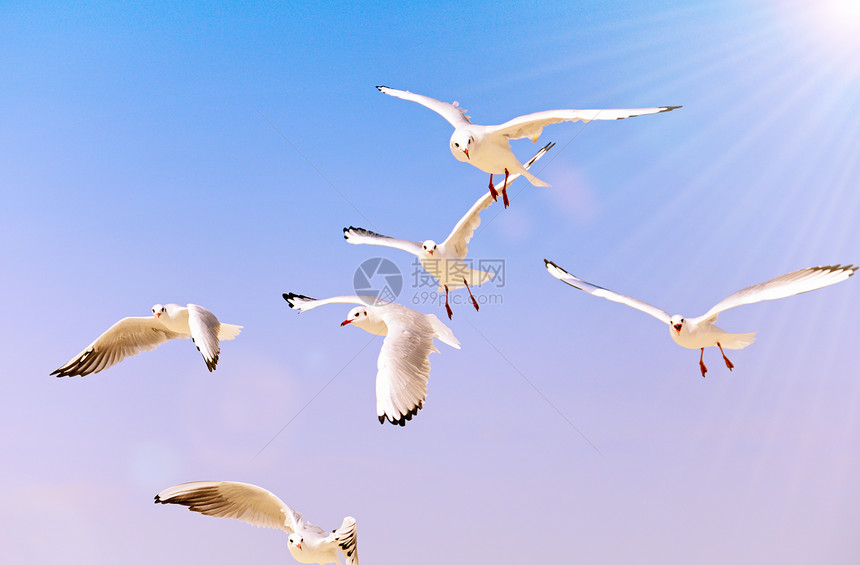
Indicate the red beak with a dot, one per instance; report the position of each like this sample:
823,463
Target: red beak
158,314
678,328
430,251
342,324
466,151
299,545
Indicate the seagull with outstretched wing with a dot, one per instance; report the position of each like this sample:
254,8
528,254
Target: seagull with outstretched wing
133,335
488,147
702,332
404,360
444,261
257,506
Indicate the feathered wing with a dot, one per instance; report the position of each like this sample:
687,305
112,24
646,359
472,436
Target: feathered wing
225,499
346,539
359,236
789,284
458,240
302,303
595,290
455,115
531,125
205,329
125,338
403,367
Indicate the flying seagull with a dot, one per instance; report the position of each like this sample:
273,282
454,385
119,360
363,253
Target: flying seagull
255,505
699,333
488,147
403,364
132,335
444,261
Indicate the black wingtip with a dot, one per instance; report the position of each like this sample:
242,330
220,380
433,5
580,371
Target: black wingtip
290,296
379,87
670,108
158,500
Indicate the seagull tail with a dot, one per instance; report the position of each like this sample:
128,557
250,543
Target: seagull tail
737,341
443,332
533,179
228,331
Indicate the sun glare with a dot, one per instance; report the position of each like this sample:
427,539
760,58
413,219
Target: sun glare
840,19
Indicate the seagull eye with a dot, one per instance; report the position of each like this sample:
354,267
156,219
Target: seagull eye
456,145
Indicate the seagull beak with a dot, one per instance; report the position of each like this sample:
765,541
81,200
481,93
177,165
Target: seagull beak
466,151
342,324
430,251
678,328
158,314
299,545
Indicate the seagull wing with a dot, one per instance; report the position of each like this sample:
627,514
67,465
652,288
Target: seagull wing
789,284
595,290
302,303
224,499
455,115
360,236
205,328
125,338
458,240
346,539
403,365
531,125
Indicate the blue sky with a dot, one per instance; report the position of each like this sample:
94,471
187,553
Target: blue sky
213,153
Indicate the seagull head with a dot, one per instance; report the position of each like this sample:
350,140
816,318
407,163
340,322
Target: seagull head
429,246
357,316
158,310
677,323
461,143
295,540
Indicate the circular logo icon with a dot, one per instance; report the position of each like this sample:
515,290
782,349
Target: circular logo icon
378,280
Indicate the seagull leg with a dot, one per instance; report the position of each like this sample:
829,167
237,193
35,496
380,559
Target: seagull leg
702,363
729,364
493,191
505,190
447,307
474,302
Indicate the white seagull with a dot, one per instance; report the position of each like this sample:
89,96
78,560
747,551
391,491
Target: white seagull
404,360
255,505
699,333
444,261
132,335
488,147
